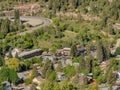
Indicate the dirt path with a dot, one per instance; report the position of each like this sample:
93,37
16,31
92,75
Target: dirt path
36,22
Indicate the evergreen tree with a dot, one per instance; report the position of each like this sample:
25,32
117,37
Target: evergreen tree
16,15
13,77
100,51
74,50
34,72
10,53
50,4
2,62
110,79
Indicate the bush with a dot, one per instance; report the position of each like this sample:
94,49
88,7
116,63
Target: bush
117,52
28,81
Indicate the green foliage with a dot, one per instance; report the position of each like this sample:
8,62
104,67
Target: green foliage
101,79
96,72
63,85
69,71
2,62
47,69
74,50
93,87
34,72
76,60
1,87
117,52
59,67
13,77
4,73
14,63
7,74
110,78
28,81
52,76
103,50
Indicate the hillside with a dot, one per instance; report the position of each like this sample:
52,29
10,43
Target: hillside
65,44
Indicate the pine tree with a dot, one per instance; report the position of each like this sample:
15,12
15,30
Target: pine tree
10,54
16,15
13,77
50,4
34,72
100,51
110,79
74,50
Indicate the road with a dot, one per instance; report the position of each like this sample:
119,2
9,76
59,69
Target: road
36,22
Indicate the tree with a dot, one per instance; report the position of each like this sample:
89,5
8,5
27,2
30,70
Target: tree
48,67
89,63
4,74
110,79
51,76
82,65
34,72
1,87
14,63
16,15
106,49
10,53
65,85
2,62
7,74
73,50
100,51
59,67
117,52
50,4
13,77
47,85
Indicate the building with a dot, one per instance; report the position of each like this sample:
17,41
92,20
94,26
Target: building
81,51
30,54
25,54
63,52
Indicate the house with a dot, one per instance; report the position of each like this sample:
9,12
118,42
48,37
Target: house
61,76
30,54
63,52
81,51
25,53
